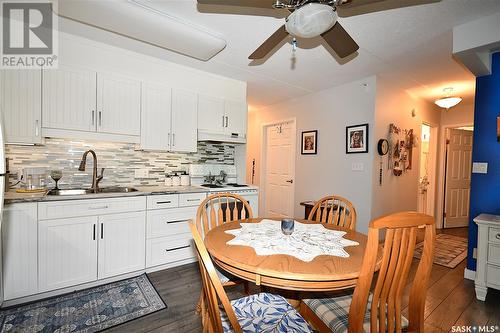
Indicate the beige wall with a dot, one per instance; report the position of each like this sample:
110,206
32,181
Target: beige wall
328,111
462,114
395,106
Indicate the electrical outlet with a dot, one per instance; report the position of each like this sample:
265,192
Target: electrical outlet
142,173
479,167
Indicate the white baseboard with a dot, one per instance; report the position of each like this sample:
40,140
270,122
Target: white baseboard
469,274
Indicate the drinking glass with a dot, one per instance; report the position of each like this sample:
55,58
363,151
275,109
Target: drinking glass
56,175
287,226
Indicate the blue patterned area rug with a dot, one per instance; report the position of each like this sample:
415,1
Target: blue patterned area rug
86,311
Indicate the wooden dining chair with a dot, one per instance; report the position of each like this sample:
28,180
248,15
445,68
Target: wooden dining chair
262,312
220,208
215,210
380,310
335,210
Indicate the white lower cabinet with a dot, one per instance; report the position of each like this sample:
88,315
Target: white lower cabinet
19,250
67,252
122,240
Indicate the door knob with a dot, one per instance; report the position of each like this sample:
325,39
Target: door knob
290,181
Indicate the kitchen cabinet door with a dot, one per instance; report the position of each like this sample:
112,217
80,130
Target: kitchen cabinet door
236,122
211,114
184,121
122,244
21,105
156,117
118,105
69,99
19,250
67,252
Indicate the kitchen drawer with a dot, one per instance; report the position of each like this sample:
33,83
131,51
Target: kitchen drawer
163,201
494,235
167,222
191,199
89,207
494,254
160,251
493,275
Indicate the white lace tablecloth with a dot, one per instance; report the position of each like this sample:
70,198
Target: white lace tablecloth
307,241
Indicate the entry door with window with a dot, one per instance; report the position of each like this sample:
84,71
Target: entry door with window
280,170
458,175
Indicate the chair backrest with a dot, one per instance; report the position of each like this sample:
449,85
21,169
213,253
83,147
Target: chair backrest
335,210
219,208
212,289
401,233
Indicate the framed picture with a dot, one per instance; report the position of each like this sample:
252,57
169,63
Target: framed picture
498,129
310,142
356,139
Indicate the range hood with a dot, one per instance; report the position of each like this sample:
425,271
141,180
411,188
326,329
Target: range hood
221,137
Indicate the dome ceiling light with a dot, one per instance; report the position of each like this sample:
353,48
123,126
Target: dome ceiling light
448,101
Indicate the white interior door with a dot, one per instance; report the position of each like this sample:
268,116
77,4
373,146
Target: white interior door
280,170
458,174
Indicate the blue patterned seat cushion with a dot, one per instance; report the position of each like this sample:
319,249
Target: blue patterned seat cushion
334,312
266,313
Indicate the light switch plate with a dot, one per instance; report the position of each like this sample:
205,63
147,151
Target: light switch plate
479,167
357,166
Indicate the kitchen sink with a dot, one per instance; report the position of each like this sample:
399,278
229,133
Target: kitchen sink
117,190
89,191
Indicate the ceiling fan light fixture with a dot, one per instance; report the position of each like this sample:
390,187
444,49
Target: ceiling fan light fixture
311,20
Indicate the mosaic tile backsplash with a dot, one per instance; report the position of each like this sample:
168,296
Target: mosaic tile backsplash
120,160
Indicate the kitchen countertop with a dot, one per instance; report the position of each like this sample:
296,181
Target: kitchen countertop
14,197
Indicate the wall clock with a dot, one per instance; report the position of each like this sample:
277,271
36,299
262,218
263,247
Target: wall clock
383,147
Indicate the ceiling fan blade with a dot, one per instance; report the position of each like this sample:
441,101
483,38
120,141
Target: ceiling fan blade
269,44
340,41
240,3
358,7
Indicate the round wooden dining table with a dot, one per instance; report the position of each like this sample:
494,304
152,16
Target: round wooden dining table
323,273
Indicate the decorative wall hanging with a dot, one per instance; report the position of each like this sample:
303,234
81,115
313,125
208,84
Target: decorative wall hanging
382,149
310,142
356,139
401,143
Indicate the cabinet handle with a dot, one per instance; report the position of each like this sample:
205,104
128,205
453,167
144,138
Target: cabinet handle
178,221
93,237
100,118
163,202
227,120
223,121
169,139
173,139
178,248
93,117
497,236
98,207
37,131
102,231
191,200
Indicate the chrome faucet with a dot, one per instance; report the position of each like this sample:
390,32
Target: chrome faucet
95,179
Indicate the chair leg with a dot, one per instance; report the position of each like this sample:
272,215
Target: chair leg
246,287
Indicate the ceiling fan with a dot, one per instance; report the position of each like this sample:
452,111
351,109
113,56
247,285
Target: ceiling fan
312,18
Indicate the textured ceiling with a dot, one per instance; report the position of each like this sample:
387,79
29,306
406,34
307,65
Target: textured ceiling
411,46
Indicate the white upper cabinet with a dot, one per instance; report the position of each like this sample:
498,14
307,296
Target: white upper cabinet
236,118
21,105
156,117
211,117
184,121
118,105
221,119
69,99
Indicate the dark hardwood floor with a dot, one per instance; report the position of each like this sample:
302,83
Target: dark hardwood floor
450,301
